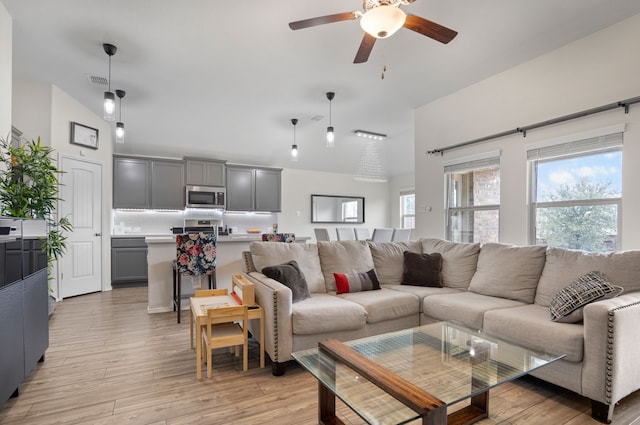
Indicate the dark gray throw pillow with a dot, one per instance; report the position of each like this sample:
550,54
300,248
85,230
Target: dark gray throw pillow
289,274
422,269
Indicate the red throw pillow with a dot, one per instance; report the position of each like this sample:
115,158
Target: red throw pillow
356,282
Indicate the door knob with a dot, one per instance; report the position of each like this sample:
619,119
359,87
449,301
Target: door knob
98,234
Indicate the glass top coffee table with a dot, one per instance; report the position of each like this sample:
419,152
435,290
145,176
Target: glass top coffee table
415,374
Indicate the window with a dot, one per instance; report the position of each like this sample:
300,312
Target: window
576,194
408,210
473,200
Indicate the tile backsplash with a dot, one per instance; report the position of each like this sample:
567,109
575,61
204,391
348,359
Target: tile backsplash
161,222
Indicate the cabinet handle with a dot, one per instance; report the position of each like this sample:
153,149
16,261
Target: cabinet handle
98,234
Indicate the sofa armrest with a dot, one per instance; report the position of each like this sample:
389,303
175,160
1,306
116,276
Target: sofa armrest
276,300
611,346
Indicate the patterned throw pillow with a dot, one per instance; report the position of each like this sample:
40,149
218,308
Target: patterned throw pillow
566,306
356,282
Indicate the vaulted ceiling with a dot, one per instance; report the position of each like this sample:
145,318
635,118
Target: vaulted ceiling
223,79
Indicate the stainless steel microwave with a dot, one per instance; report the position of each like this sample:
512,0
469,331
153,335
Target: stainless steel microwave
206,197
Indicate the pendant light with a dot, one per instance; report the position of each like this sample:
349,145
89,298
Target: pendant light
294,147
109,98
330,134
120,124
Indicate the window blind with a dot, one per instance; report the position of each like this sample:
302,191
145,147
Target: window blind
601,143
477,164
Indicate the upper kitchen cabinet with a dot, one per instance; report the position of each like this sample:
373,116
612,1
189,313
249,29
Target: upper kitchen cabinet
253,189
205,172
167,185
131,182
144,183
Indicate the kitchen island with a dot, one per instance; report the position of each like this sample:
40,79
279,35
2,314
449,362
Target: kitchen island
162,251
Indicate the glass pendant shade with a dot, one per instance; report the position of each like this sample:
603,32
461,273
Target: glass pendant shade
109,106
331,137
119,132
294,152
383,21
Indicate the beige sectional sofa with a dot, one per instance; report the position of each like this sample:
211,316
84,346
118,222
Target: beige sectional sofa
503,289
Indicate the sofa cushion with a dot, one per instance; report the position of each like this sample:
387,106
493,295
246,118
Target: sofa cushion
422,291
388,259
467,308
356,282
343,257
266,254
563,266
289,275
459,260
566,306
422,269
385,304
326,313
508,271
530,326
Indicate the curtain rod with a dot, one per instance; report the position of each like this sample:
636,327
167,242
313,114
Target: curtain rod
621,104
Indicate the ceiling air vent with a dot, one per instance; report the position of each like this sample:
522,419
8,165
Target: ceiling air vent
101,81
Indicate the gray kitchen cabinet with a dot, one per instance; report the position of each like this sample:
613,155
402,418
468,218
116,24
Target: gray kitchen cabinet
253,189
128,261
131,182
148,183
207,172
167,185
268,189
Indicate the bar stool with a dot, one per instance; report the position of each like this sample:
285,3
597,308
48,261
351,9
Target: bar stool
195,256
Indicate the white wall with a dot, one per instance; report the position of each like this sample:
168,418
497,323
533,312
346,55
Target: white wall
41,109
594,71
299,185
6,40
397,184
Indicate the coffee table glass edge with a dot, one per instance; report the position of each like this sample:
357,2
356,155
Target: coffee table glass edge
447,360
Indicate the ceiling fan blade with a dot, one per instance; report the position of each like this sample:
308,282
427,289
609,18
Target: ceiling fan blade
321,20
430,29
365,48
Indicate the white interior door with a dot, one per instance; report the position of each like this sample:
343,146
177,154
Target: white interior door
81,266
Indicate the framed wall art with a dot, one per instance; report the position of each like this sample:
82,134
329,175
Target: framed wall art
84,136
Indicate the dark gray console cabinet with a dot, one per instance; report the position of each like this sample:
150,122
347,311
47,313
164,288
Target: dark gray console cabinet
253,189
148,183
128,261
24,334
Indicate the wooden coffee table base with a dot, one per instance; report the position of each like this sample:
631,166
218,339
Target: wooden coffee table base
433,411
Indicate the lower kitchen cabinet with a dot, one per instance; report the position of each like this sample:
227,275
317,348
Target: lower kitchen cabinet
128,261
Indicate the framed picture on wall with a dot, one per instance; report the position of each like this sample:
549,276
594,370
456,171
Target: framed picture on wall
84,136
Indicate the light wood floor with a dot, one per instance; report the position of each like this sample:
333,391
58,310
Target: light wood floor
109,362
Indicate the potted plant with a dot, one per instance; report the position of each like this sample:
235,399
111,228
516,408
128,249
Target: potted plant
29,188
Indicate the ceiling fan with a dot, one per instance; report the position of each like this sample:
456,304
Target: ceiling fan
381,18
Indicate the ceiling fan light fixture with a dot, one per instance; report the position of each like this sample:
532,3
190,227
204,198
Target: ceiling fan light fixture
383,21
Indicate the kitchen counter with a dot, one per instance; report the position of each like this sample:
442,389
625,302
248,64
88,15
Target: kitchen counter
162,251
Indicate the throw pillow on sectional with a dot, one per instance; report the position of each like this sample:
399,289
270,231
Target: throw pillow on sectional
422,269
289,274
356,282
566,306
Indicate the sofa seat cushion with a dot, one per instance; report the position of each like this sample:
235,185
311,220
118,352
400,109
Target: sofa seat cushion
459,260
467,308
385,304
509,271
343,257
327,313
388,259
563,266
422,291
264,254
530,326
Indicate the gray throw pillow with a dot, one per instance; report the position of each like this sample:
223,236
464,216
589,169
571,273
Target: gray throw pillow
422,269
566,306
289,274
